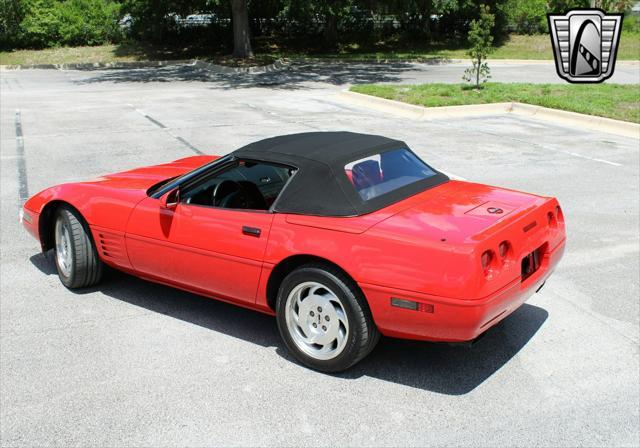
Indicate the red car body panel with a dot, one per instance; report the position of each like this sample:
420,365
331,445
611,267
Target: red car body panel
227,265
426,248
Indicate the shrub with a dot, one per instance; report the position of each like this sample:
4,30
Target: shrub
526,16
631,23
88,22
48,23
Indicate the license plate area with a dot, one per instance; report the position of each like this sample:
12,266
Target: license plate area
531,263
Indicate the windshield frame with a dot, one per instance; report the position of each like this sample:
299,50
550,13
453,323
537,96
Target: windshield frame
156,192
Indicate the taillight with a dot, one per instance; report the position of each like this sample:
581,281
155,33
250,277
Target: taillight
559,214
503,249
486,259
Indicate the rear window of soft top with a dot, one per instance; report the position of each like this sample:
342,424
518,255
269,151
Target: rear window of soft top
382,173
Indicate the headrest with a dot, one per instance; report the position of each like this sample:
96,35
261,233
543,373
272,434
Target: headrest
366,174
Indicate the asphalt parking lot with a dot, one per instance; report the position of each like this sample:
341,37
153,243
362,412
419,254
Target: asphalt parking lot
138,364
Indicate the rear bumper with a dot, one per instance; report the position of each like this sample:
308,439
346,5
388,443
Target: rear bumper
454,320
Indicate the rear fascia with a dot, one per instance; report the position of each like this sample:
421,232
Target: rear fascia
454,320
463,299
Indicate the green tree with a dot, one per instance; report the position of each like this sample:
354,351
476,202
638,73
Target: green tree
562,6
331,12
480,40
613,5
153,19
11,15
527,16
49,23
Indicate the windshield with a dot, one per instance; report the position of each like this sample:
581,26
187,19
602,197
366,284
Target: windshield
382,173
163,187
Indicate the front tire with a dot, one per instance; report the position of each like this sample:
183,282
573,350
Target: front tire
76,257
324,318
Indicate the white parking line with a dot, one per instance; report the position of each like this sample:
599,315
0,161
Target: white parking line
468,127
166,129
592,158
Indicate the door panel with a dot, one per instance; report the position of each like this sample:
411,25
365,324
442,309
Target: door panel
202,248
224,252
148,240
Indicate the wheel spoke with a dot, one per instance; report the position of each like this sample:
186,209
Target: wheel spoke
340,338
301,325
314,289
341,316
298,300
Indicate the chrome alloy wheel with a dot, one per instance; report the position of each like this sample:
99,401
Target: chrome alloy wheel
63,248
316,320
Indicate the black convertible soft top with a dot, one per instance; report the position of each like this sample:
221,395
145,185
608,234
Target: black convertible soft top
321,186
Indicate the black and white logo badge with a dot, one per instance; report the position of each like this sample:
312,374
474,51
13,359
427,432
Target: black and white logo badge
585,43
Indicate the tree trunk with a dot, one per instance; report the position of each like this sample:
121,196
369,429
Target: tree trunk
330,30
241,34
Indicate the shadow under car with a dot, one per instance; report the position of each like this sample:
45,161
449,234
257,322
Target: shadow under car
452,369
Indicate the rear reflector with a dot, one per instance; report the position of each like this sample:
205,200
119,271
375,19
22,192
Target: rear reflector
425,307
411,305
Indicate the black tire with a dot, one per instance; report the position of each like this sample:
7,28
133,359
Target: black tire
363,334
85,267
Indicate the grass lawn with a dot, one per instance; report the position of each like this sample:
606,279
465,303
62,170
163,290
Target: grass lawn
621,102
516,47
124,52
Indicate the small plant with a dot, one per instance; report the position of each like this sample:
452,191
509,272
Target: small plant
480,40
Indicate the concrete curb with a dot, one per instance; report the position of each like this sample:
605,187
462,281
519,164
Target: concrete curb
95,65
347,60
279,64
213,68
574,119
423,113
440,61
591,122
530,62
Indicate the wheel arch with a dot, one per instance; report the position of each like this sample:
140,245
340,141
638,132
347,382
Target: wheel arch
288,265
46,224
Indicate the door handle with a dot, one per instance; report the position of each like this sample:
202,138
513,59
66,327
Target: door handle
251,231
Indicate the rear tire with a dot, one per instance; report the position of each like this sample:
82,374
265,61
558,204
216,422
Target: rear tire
324,319
76,257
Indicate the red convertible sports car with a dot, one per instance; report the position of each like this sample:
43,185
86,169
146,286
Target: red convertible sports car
341,236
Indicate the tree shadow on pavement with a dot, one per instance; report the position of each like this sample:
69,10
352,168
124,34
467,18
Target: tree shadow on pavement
436,367
294,77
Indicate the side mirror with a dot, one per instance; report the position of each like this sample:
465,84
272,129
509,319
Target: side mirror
170,200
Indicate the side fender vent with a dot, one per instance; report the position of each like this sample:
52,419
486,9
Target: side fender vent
111,247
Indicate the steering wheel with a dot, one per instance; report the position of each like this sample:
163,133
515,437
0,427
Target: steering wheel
229,194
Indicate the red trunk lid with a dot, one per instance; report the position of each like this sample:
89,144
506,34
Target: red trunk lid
459,211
